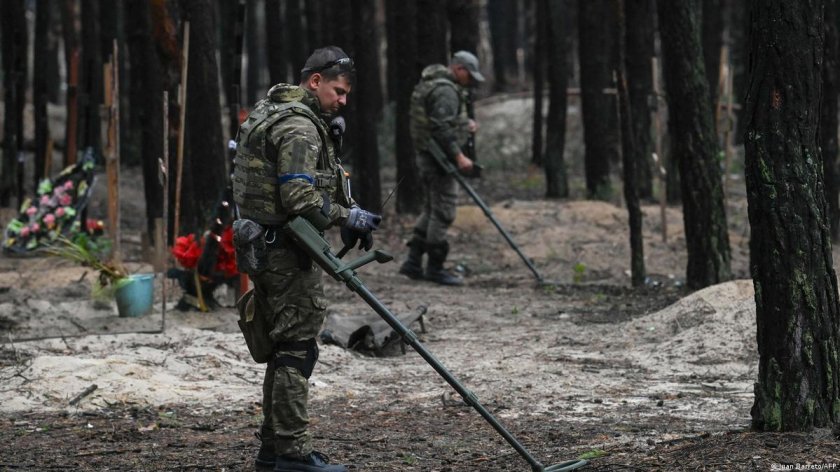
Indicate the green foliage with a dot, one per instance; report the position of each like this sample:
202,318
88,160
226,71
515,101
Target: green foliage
580,269
592,454
409,459
93,253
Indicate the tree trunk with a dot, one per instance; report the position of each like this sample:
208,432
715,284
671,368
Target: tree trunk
463,25
91,78
406,75
538,73
295,40
278,65
14,37
739,58
431,33
556,177
694,144
368,105
254,44
391,53
204,159
69,16
641,32
146,104
828,117
712,37
797,312
631,154
40,89
314,25
502,20
600,131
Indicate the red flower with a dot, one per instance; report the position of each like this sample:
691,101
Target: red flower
226,260
186,251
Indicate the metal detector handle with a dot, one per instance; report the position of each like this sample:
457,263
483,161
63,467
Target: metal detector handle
310,241
447,166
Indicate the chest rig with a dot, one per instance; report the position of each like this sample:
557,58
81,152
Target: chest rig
255,176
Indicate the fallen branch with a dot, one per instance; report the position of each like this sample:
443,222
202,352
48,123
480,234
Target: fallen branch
85,393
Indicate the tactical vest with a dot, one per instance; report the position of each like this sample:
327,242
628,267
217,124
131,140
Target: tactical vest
421,130
255,179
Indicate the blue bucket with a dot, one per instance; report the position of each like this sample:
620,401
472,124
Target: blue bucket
137,296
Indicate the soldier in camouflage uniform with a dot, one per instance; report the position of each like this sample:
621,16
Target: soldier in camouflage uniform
286,166
439,124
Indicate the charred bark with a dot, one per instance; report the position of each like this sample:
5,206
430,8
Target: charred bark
278,64
502,17
828,117
463,25
556,177
431,33
14,39
694,144
797,310
641,31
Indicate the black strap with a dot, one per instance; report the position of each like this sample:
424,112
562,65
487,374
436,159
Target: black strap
306,365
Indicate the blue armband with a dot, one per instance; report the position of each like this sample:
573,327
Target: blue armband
282,179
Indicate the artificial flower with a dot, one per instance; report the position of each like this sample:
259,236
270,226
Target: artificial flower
65,199
186,251
31,211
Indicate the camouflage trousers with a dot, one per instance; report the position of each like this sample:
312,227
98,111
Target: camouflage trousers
293,300
440,192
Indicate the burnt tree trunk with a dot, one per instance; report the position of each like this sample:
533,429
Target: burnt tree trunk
14,38
314,25
146,98
204,159
295,39
712,37
278,64
600,132
828,117
630,154
463,25
738,26
40,89
556,176
502,19
694,144
91,78
368,105
406,74
391,53
539,78
69,15
797,311
641,31
431,33
255,46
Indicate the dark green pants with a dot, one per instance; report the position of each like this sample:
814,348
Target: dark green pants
293,299
440,192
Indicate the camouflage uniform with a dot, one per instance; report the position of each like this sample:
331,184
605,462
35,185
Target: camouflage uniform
439,114
286,166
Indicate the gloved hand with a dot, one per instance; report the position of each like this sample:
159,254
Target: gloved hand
362,221
349,237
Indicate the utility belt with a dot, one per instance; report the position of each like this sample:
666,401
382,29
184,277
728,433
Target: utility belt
252,242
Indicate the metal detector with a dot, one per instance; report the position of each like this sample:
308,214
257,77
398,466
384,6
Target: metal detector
310,241
450,168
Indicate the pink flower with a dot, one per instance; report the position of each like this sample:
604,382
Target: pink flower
31,211
35,227
49,219
68,185
65,200
59,212
45,200
24,232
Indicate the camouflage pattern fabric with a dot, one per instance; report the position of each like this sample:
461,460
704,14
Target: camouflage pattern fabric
285,166
439,112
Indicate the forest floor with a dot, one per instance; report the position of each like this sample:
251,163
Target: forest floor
650,378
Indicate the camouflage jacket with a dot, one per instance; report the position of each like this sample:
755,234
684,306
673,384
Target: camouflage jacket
285,161
439,112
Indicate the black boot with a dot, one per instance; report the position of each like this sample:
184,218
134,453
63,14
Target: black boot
413,266
435,271
265,456
314,462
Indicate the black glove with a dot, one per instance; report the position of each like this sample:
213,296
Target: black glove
362,220
349,237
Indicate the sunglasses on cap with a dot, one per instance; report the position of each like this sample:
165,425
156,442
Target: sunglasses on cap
344,62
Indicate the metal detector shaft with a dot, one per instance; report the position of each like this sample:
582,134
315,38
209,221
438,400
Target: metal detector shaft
440,157
308,239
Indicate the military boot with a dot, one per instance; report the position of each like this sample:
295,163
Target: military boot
435,271
314,462
265,456
413,266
